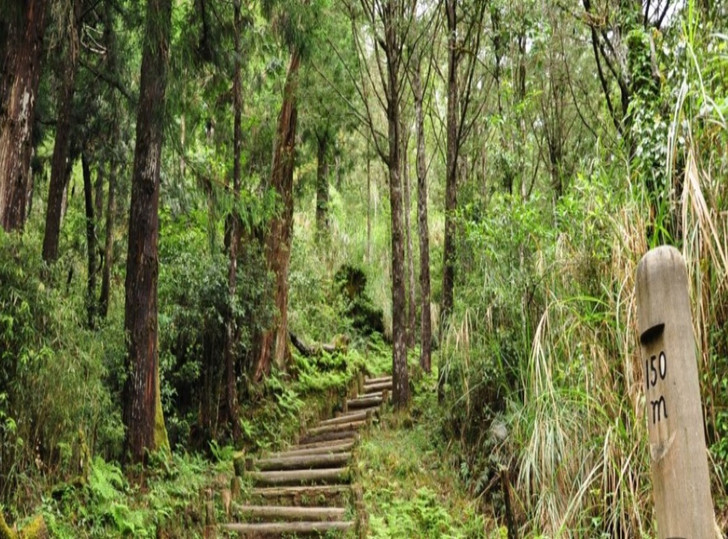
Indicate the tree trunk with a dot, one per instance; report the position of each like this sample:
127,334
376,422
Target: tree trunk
369,206
273,343
21,74
322,186
411,303
141,398
90,242
400,382
451,179
62,141
109,243
231,330
424,232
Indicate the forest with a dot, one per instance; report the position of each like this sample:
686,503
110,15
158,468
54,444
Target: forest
217,214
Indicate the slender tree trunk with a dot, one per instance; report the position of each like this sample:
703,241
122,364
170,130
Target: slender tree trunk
109,243
369,206
273,343
400,378
424,232
62,142
322,186
142,413
90,242
411,303
21,73
451,178
231,330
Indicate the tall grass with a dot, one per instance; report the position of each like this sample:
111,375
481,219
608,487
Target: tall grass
550,318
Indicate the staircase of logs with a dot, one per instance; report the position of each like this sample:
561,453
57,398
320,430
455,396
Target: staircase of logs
306,490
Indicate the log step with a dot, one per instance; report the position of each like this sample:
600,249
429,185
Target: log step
375,387
329,436
378,380
325,444
364,402
301,462
304,495
320,448
337,427
346,417
290,513
324,475
262,529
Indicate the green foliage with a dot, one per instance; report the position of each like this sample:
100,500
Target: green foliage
407,490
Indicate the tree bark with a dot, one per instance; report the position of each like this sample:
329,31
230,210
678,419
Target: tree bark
231,329
322,185
400,393
90,242
273,343
141,397
62,143
424,232
109,242
451,178
21,74
411,303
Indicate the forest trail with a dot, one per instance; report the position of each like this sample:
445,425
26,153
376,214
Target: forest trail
307,489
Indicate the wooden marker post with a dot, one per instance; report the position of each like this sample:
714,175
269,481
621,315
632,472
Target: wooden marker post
681,485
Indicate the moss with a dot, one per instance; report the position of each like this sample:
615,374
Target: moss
35,530
161,440
5,531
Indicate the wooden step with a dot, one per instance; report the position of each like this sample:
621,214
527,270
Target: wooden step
378,380
328,436
337,427
346,417
277,528
301,462
320,448
325,444
289,513
364,402
375,387
304,495
293,477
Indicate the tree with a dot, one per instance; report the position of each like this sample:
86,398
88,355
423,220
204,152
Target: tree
424,231
142,408
19,88
389,23
231,331
62,143
458,105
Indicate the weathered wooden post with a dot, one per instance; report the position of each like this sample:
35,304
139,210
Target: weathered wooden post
681,484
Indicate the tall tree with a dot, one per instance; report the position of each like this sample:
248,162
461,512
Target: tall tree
142,408
464,30
231,331
273,345
62,143
423,228
18,94
389,23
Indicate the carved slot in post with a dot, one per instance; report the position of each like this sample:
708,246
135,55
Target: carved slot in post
680,480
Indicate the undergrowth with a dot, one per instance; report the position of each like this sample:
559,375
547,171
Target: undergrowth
409,488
